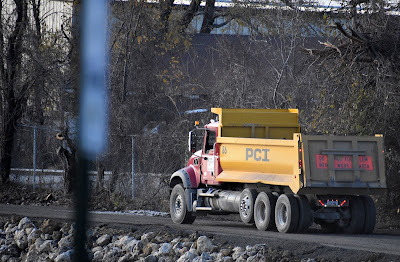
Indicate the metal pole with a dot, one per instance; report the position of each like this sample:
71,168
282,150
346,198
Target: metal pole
34,156
93,117
133,167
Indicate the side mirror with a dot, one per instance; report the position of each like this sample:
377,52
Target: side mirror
192,142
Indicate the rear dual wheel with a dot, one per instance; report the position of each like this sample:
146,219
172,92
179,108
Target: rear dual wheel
293,213
363,216
286,213
264,211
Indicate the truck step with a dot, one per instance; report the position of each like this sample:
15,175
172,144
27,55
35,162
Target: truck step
207,194
204,208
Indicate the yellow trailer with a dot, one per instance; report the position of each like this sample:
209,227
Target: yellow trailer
257,163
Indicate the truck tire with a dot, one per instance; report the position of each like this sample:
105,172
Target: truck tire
264,211
357,220
178,206
246,208
286,213
305,214
370,214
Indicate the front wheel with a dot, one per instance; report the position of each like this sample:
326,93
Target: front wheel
178,206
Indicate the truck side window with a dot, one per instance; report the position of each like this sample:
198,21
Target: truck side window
210,141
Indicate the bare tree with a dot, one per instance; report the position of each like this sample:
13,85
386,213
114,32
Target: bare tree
13,91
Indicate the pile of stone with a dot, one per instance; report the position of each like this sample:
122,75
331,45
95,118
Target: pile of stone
52,241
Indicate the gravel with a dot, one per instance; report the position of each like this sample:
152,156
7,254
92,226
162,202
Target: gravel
53,241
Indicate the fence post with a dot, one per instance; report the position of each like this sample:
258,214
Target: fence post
34,155
133,167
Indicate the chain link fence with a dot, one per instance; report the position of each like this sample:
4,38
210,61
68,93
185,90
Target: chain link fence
154,157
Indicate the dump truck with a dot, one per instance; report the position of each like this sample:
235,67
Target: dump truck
257,163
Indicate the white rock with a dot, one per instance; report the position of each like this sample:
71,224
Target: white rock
175,241
103,240
45,247
38,243
25,223
10,229
64,257
95,249
35,234
123,241
98,255
126,257
21,239
187,257
112,255
52,256
203,258
65,242
165,249
146,238
204,244
237,252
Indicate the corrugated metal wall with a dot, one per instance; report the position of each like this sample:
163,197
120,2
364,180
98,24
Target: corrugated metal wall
53,13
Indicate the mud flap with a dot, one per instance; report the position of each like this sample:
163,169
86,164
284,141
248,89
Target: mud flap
190,197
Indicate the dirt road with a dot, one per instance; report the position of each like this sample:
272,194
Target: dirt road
230,232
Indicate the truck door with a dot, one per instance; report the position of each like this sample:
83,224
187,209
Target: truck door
208,158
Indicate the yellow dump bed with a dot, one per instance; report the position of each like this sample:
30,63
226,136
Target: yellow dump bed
265,146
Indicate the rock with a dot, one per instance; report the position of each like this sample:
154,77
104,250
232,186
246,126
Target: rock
147,250
11,250
21,239
112,255
149,258
65,244
125,258
175,241
204,244
25,223
64,257
35,234
103,240
31,256
95,249
237,252
163,237
203,258
187,257
71,229
165,249
227,259
131,245
98,255
286,253
5,258
123,241
146,238
48,226
57,235
11,228
226,252
45,247
52,256
65,228
46,236
38,243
